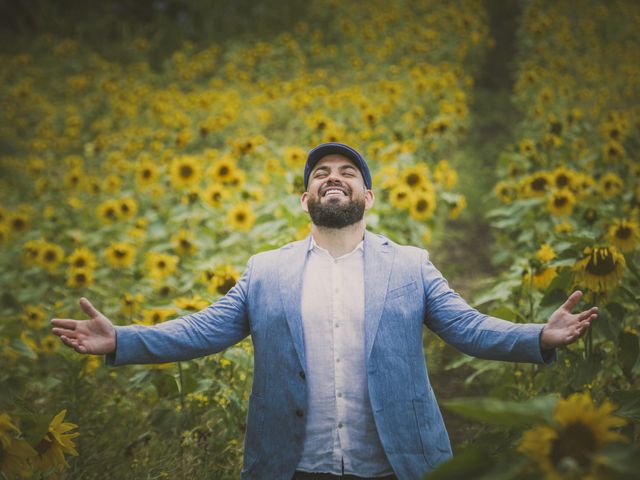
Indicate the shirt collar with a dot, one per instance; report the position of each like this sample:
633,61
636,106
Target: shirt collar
314,246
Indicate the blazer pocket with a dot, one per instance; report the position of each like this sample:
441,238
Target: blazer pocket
403,290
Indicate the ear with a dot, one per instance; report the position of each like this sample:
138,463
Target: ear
369,199
303,201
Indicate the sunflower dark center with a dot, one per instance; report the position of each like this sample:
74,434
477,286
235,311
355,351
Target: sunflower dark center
623,233
539,184
146,173
240,217
562,181
422,205
110,213
124,208
576,442
560,201
216,196
81,278
225,286
18,223
120,253
413,179
601,262
44,445
224,170
50,256
79,262
162,264
186,171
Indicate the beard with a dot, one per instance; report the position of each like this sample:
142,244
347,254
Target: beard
335,214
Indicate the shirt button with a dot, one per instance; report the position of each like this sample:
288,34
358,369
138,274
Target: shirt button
337,325
339,394
302,375
340,425
337,360
299,413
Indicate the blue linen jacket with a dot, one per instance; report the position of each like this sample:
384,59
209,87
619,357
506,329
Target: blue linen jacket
403,291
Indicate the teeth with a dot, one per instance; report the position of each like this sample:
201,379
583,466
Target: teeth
334,192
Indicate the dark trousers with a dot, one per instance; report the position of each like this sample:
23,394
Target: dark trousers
330,476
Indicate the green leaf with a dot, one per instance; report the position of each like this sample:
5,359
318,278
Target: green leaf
628,349
628,402
505,413
470,464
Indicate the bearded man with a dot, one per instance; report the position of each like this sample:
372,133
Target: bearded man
340,386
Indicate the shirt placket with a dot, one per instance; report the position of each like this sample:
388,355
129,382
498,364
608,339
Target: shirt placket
337,320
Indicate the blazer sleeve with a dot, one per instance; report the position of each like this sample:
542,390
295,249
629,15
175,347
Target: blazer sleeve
474,333
208,331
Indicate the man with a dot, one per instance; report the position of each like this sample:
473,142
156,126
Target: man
340,382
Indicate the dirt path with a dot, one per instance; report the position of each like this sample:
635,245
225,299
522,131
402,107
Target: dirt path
467,260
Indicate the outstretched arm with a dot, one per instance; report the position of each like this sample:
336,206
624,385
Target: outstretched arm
211,330
484,336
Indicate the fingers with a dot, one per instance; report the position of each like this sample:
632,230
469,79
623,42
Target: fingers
73,343
588,314
572,301
88,308
64,332
64,323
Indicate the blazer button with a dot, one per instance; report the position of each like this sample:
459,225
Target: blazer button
299,413
302,375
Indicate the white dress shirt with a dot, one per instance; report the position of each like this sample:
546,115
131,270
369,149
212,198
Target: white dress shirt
340,433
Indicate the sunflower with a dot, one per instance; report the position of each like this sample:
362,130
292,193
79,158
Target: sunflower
561,202
127,207
112,184
130,303
120,254
600,269
613,152
444,175
295,157
563,177
155,316
185,171
49,344
73,178
570,446
50,256
505,192
221,279
401,196
146,173
241,217
82,258
18,222
79,277
56,443
542,277
423,205
16,455
545,253
610,185
108,211
624,234
195,303
415,177
183,242
223,170
161,265
33,317
215,194
590,215
536,185
457,206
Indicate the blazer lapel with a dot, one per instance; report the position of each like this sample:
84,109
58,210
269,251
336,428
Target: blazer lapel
378,259
291,269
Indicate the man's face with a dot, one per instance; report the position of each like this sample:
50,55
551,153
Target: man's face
336,195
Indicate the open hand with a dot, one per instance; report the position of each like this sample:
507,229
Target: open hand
565,327
96,336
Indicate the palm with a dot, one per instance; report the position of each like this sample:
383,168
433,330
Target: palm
95,336
565,327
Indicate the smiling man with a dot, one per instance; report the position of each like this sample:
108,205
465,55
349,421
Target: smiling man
340,385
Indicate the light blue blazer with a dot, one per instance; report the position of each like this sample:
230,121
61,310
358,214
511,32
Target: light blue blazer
403,291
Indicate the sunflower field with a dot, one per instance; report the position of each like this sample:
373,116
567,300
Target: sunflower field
148,151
